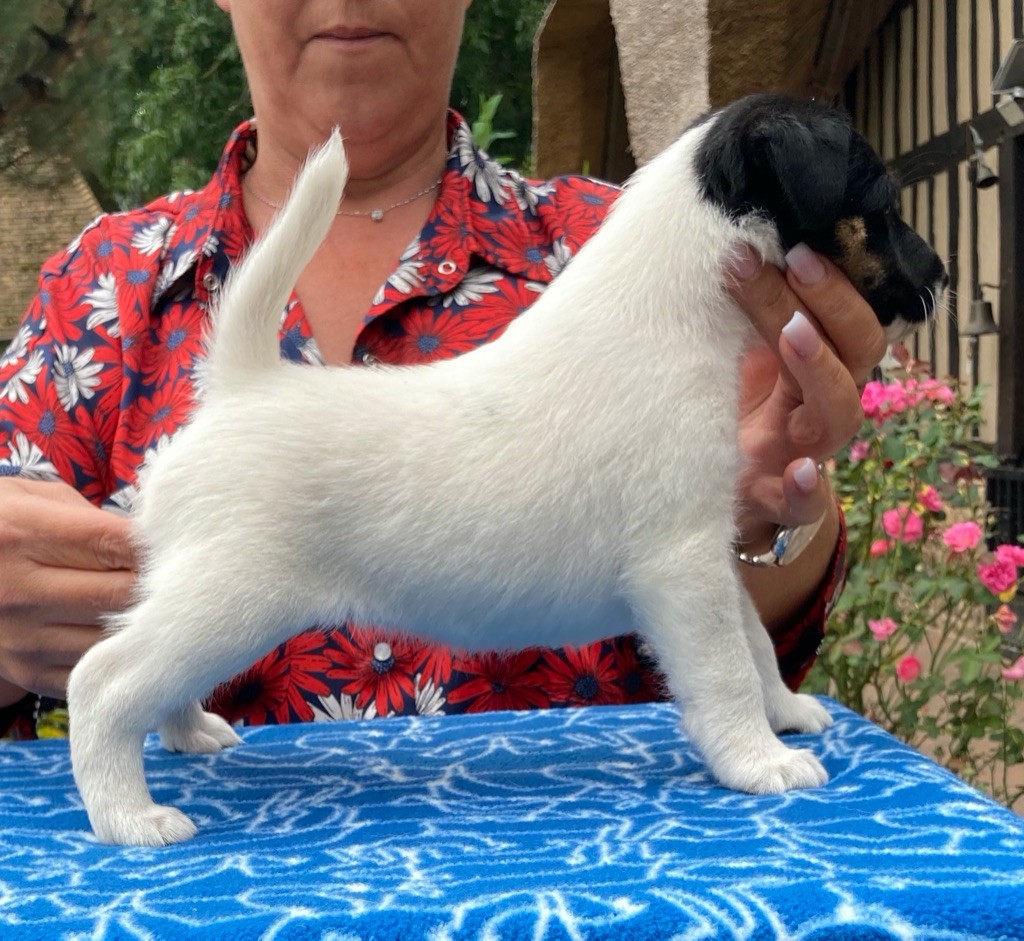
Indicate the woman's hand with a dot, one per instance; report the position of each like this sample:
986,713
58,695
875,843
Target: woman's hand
800,394
63,563
799,404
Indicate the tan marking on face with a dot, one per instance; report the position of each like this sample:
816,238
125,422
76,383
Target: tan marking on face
863,268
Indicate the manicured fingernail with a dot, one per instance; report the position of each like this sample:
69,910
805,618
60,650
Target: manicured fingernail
802,335
746,264
806,475
805,264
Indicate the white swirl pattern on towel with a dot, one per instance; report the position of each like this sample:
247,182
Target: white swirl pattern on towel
574,824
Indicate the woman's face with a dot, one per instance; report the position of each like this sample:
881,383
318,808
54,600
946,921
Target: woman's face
376,68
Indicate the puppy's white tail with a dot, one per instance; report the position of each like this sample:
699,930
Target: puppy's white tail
246,321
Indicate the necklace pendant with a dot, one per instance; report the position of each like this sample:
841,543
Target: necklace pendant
377,215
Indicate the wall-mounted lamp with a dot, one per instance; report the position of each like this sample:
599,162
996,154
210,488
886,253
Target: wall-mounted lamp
979,172
1008,82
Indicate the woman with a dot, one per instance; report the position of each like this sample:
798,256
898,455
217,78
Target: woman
101,370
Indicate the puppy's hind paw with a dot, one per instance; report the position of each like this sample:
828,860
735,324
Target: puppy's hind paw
154,826
774,771
197,733
797,712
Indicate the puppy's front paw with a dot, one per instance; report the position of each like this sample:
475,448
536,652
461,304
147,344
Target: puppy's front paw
197,733
797,712
154,826
774,770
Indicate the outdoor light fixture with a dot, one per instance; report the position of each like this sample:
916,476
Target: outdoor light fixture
1009,81
979,172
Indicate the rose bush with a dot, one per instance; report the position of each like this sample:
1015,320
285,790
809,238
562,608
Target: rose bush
924,638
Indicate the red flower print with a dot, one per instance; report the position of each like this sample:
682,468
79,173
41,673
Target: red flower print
641,681
427,335
377,665
582,206
582,676
450,232
437,664
276,689
518,246
178,343
499,681
161,413
66,443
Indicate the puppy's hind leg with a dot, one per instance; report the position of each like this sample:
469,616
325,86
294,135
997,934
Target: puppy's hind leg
170,650
192,730
689,606
116,694
787,711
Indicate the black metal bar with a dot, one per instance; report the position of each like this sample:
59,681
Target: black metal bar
1010,404
952,93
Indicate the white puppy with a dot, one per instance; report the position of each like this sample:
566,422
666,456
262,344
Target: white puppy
573,477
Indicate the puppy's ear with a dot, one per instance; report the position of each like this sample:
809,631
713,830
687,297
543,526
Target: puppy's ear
809,162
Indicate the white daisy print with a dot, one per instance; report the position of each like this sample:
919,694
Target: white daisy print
478,282
103,301
171,271
487,177
18,347
429,699
560,256
528,195
75,375
336,708
407,276
27,460
16,389
152,238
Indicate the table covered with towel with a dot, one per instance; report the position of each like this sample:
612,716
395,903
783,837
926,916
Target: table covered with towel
594,823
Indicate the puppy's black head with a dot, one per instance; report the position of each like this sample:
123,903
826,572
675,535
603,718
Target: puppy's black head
801,164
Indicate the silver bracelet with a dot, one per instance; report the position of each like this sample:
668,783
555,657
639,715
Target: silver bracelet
787,544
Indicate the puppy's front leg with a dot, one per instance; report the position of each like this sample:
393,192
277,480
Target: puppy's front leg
695,624
787,711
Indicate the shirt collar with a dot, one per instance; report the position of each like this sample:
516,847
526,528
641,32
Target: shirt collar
485,210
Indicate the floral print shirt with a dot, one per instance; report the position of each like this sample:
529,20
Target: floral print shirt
101,373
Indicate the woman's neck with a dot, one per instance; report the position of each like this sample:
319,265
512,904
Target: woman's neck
381,172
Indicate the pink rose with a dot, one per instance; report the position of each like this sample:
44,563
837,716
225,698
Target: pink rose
879,547
998,577
962,536
903,523
930,499
1016,672
1005,618
908,669
872,399
883,628
859,450
1012,554
938,392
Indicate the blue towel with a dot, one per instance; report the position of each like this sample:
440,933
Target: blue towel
595,823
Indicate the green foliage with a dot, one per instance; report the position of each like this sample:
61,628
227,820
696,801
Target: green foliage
154,88
484,133
496,57
920,640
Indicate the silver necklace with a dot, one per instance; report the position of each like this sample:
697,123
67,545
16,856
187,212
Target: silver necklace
377,215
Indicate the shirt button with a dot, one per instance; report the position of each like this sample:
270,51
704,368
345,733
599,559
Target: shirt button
211,282
382,652
446,268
